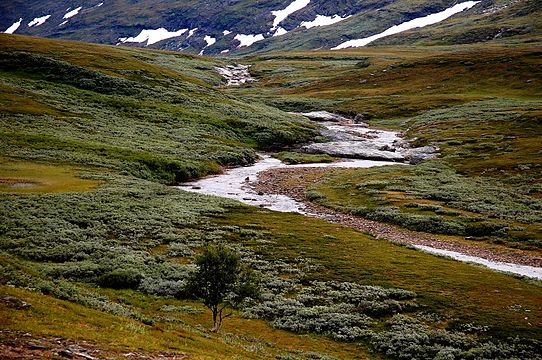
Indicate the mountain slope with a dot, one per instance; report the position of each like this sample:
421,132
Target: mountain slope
221,27
135,111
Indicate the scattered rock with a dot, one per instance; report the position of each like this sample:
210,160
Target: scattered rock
15,302
326,116
360,142
236,74
35,346
65,353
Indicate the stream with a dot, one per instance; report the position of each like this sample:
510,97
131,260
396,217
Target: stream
359,147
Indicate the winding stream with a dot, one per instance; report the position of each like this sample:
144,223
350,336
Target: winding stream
354,141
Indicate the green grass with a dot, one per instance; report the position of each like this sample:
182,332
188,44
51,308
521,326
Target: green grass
108,140
125,114
479,105
290,157
248,339
449,287
30,177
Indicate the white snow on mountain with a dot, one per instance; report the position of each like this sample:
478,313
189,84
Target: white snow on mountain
226,32
280,31
280,15
72,13
322,20
192,32
100,4
153,36
38,21
247,40
225,51
15,26
63,23
209,40
415,23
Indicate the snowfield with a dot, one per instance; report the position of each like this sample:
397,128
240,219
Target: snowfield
15,26
408,25
247,40
322,20
281,15
72,13
38,21
153,36
280,31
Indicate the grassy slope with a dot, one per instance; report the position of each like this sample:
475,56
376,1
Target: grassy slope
489,20
133,111
64,244
478,104
515,21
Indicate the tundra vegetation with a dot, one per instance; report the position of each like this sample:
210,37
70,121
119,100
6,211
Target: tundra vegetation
92,237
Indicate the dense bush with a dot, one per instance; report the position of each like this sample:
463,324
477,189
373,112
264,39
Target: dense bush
121,279
407,338
36,65
339,309
457,204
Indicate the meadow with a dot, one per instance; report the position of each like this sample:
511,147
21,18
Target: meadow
480,105
93,238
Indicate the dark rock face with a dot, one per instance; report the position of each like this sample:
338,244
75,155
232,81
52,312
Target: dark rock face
110,21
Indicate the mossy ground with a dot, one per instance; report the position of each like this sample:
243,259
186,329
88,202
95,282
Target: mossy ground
31,177
153,124
479,105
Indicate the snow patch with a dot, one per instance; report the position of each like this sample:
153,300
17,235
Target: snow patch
415,23
72,13
192,32
225,51
209,40
247,40
280,31
322,20
38,21
226,32
100,4
153,36
280,15
15,26
64,23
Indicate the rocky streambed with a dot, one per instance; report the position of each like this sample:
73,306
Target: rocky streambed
236,74
361,146
351,138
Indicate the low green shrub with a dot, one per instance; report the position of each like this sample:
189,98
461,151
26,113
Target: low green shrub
121,279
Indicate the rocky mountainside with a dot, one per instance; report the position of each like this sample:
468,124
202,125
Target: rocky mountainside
242,26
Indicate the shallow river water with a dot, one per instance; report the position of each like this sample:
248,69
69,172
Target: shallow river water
235,184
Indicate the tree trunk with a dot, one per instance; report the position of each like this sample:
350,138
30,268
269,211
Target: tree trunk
214,310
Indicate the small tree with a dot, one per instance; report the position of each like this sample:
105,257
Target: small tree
222,282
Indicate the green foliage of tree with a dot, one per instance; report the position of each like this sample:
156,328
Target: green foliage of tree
222,282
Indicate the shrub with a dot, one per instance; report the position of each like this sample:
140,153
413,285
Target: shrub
121,279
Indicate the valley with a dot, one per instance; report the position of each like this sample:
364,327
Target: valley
110,157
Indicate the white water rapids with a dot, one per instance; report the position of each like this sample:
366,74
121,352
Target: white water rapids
235,184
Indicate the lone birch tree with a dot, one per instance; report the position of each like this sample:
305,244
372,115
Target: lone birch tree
222,282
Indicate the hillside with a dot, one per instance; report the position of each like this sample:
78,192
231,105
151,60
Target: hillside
96,247
479,105
241,27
